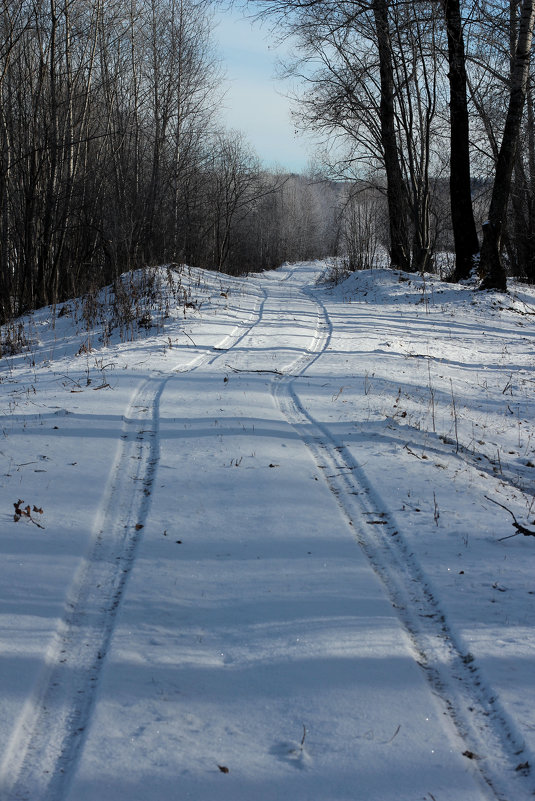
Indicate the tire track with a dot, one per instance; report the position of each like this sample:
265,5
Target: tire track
483,725
49,735
50,732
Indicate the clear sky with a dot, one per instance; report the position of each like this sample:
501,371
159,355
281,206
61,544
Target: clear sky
255,103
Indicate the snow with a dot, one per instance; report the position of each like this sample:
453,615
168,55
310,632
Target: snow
270,561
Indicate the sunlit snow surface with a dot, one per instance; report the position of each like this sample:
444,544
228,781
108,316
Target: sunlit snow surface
268,565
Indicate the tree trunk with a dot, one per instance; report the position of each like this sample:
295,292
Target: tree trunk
396,195
464,227
492,266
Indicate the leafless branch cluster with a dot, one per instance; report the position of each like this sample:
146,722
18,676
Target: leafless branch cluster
431,103
112,156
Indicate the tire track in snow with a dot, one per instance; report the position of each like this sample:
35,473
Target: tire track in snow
489,736
236,336
49,735
50,731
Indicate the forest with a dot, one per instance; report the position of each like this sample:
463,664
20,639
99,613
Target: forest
112,154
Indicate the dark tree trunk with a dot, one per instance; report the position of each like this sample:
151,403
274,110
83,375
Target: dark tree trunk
396,195
464,227
492,266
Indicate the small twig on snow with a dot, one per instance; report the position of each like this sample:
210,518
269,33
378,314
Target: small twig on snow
237,370
520,529
394,735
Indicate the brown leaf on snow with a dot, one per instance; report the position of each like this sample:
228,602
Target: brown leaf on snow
19,511
26,511
470,755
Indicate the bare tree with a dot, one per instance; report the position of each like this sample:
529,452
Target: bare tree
464,227
396,195
352,89
523,197
492,265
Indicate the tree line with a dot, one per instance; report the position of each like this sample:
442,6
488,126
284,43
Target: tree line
112,155
407,95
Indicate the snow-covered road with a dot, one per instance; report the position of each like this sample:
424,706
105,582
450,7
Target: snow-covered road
233,597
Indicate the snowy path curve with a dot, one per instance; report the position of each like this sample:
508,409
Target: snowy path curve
471,703
49,734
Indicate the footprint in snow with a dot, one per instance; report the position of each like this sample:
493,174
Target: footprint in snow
292,752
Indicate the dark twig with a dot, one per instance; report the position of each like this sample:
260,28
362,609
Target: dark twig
237,370
304,736
520,529
394,735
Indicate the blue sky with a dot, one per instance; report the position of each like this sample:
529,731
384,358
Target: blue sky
255,103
